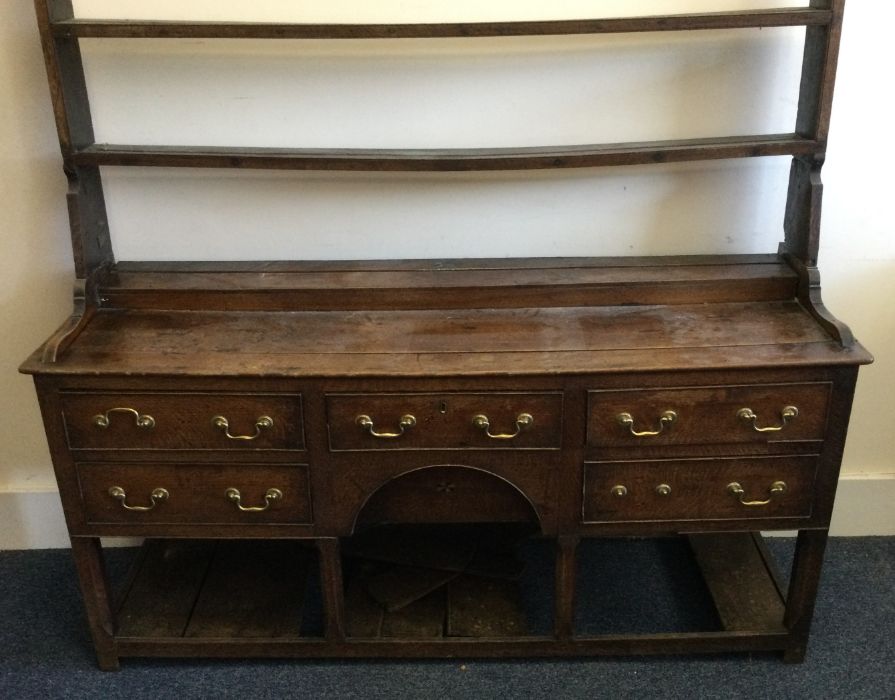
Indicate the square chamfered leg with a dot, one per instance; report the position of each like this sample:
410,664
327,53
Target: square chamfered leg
803,585
88,556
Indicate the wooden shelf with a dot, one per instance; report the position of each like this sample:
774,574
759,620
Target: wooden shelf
459,159
181,595
99,28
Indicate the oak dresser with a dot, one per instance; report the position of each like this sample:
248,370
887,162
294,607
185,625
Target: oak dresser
272,413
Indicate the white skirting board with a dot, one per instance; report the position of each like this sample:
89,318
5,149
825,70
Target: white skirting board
33,519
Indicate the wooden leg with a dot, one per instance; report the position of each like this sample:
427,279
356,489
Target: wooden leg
564,622
332,587
803,585
88,555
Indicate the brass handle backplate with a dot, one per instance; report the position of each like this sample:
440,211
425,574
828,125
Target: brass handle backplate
627,420
145,421
407,421
263,423
787,414
270,496
157,496
778,488
523,422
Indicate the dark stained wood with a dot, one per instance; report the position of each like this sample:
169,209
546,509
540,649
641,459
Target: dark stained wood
86,302
463,647
801,223
699,489
65,73
332,588
197,493
483,607
442,284
88,556
734,570
422,619
253,589
397,587
313,344
819,72
91,244
363,614
446,160
447,495
444,421
430,343
708,414
165,589
784,17
183,421
423,546
566,574
803,585
811,298
430,265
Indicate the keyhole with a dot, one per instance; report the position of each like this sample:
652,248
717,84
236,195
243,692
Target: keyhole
442,407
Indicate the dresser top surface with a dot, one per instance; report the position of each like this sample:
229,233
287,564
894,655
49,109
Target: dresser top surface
450,342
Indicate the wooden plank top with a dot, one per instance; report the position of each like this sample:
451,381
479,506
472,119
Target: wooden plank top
440,342
162,29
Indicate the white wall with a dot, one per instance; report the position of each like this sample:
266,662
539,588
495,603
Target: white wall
523,91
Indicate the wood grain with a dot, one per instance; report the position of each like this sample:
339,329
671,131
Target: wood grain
446,160
734,571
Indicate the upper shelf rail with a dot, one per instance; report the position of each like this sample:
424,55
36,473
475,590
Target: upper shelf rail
164,29
444,160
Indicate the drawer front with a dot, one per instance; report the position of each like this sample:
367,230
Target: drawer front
195,494
698,489
707,415
444,421
170,421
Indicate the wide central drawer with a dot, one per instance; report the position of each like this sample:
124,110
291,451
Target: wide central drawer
445,421
183,421
699,489
707,415
195,493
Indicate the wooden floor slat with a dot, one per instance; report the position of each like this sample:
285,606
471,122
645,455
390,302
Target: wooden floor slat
400,586
479,607
165,588
422,619
439,547
364,615
745,593
253,589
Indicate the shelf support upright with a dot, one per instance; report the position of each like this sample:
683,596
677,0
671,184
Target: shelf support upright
805,198
91,244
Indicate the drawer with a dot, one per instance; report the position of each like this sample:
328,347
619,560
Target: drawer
699,489
195,494
174,421
707,415
444,421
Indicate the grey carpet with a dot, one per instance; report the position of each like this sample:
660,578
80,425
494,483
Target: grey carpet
45,650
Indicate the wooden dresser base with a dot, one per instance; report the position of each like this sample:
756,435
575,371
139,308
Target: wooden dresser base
714,417
180,601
